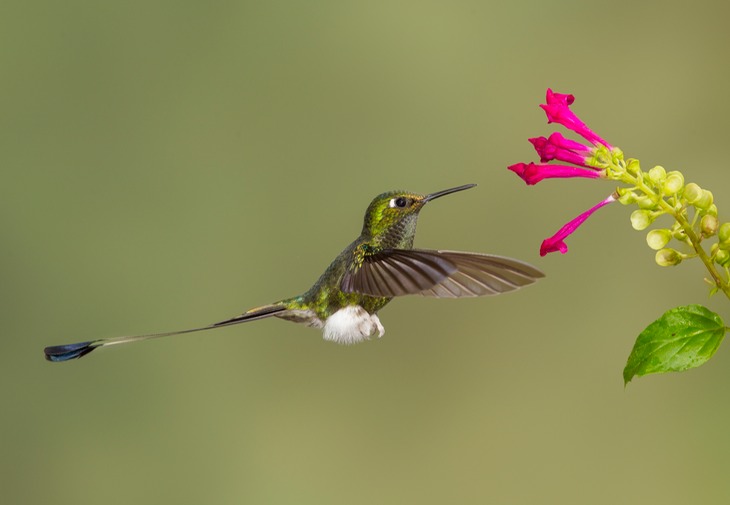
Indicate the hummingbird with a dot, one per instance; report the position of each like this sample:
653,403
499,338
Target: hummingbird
376,267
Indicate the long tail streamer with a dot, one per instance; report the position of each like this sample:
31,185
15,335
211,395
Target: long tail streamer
72,351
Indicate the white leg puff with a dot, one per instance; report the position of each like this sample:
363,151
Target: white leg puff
351,325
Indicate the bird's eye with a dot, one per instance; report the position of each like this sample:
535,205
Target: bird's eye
400,202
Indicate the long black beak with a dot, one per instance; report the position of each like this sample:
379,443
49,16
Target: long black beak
438,194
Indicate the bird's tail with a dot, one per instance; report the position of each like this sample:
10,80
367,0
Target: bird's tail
71,351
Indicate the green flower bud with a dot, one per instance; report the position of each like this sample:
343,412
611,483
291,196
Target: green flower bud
711,210
657,239
679,234
722,258
633,167
724,232
673,184
657,175
709,225
645,202
692,192
625,196
668,258
704,201
641,219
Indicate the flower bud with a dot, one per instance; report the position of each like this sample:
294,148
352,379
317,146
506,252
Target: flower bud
668,258
712,210
641,219
673,183
626,196
657,175
633,167
645,202
705,201
692,192
722,258
724,232
657,239
679,234
709,225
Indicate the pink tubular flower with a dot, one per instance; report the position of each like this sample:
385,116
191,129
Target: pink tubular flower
557,109
558,98
532,173
557,241
557,147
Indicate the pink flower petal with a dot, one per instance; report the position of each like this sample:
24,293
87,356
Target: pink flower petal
550,150
557,109
532,173
558,140
551,97
557,241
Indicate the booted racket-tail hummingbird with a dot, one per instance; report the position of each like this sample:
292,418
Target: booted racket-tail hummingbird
378,266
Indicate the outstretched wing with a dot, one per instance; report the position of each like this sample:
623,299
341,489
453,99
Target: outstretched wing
443,274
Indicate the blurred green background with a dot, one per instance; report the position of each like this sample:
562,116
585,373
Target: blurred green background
169,164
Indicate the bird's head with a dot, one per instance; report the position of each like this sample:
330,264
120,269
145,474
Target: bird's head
391,217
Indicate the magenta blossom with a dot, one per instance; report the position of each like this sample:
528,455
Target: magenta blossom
532,173
557,241
558,111
557,147
558,98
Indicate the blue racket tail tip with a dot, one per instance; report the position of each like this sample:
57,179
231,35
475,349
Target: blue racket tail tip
69,351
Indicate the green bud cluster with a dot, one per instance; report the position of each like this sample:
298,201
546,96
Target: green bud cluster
657,192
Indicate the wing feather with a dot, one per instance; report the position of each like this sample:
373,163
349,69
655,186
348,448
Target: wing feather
441,274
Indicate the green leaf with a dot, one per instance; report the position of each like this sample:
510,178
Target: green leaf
683,338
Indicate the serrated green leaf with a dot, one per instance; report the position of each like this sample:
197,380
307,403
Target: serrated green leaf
683,338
